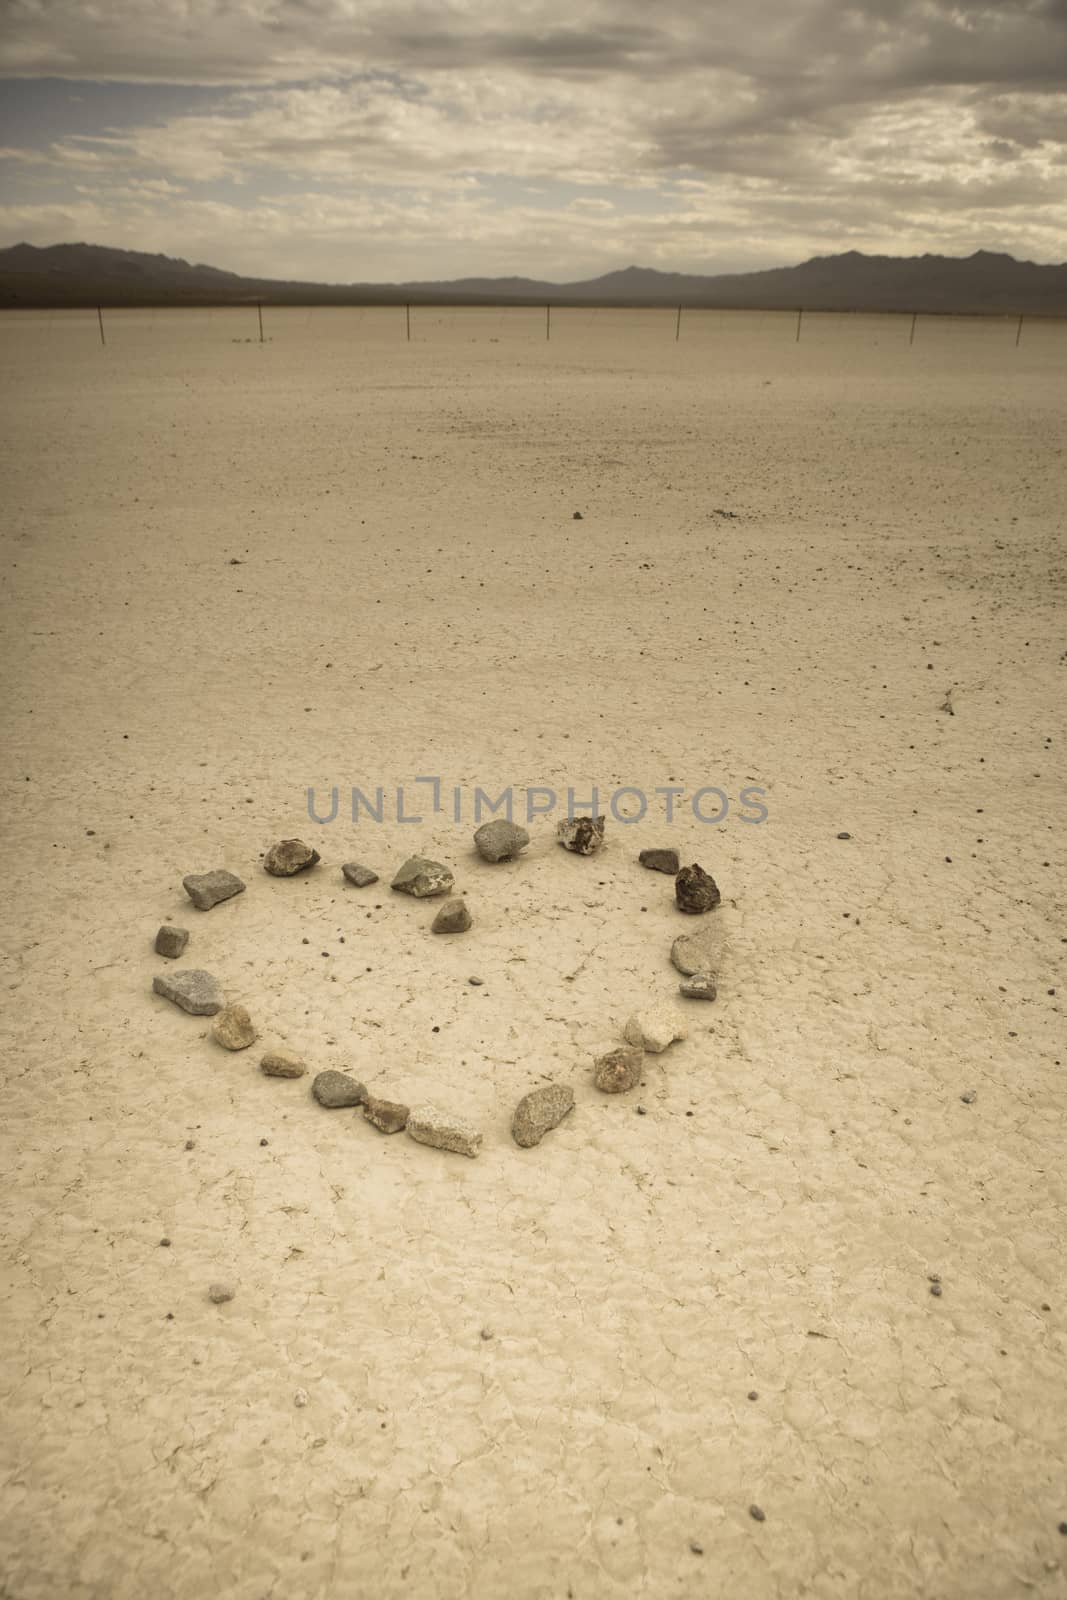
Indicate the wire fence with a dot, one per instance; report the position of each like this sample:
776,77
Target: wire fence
574,327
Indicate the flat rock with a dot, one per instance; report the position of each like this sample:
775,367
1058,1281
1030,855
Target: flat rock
431,1125
660,860
171,941
288,857
701,986
540,1111
696,890
581,835
282,1064
360,876
698,952
207,889
453,917
335,1090
500,840
388,1116
195,991
653,1030
233,1029
619,1070
423,878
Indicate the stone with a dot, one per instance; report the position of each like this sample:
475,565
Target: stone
701,986
288,857
581,835
282,1064
388,1116
660,860
693,953
336,1090
619,1070
219,1293
696,890
453,917
653,1030
538,1112
171,941
431,1125
233,1029
500,840
194,990
360,876
207,889
421,877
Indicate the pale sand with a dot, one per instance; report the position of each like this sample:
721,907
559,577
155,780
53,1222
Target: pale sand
416,599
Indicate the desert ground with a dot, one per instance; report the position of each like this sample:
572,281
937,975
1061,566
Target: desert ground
234,571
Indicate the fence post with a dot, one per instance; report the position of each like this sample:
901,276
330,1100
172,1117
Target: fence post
100,319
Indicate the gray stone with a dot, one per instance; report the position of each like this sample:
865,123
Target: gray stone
619,1070
194,990
431,1125
581,835
288,857
219,1293
701,986
360,876
282,1064
453,917
540,1111
660,860
652,1030
699,952
233,1029
207,889
335,1090
696,890
171,941
421,877
388,1116
500,840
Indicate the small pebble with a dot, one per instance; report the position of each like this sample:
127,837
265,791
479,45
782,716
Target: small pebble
969,1097
487,1333
844,836
935,1290
753,1394
300,1398
757,1514
263,1142
697,1549
219,1293
476,983
165,1243
190,1144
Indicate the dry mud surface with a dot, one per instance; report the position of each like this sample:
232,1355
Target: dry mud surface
529,1374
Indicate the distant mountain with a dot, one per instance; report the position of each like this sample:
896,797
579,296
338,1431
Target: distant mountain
90,275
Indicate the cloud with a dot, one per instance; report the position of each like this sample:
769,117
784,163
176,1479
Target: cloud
784,128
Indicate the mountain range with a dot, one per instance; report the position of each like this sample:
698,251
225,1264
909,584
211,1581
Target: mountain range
985,282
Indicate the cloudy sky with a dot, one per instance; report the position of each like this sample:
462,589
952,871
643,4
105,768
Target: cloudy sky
376,140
